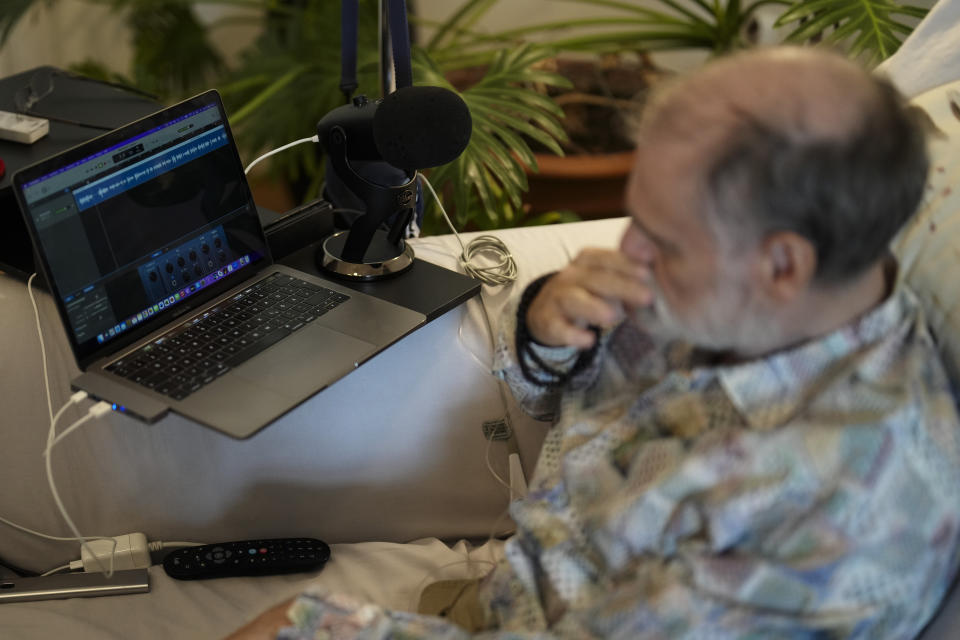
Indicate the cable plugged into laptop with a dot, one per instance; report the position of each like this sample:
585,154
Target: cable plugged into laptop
99,554
96,411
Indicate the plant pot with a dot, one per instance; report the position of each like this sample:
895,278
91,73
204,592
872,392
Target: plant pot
591,185
600,107
599,111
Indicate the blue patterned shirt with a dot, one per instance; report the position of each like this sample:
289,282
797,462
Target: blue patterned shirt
814,493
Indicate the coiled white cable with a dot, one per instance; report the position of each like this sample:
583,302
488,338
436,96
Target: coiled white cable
502,272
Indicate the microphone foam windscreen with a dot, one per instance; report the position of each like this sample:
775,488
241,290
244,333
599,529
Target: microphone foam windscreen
421,127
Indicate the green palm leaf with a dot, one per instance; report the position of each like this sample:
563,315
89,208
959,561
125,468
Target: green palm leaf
290,79
873,29
487,181
172,55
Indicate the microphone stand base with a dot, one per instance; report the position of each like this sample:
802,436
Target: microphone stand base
382,260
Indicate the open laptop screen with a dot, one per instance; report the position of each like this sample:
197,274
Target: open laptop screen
142,224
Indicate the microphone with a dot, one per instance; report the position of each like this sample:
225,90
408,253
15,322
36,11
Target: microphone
369,142
421,127
412,128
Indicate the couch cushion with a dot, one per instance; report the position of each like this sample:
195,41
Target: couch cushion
389,574
929,247
929,251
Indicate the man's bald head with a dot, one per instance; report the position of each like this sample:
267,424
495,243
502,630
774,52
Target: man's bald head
803,92
797,139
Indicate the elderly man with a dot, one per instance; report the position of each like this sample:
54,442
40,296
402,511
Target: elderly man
754,435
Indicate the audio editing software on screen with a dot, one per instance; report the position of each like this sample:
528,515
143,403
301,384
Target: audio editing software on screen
143,224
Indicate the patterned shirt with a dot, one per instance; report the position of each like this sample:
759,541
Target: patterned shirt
814,493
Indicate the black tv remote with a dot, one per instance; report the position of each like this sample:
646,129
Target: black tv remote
247,558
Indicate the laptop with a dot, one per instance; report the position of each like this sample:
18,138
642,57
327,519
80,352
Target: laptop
155,255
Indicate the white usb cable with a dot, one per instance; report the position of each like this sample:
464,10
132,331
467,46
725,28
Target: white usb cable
503,272
96,411
43,349
278,150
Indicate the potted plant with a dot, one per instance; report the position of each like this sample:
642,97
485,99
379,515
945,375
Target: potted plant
288,78
610,89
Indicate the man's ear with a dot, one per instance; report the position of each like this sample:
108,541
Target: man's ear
788,263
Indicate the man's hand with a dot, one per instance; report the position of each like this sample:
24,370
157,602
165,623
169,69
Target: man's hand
595,289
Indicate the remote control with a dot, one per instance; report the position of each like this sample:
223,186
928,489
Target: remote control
247,558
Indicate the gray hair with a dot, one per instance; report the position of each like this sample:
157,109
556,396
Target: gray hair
848,195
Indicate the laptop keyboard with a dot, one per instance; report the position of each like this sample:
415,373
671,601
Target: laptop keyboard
202,349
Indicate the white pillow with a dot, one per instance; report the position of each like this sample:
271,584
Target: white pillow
929,247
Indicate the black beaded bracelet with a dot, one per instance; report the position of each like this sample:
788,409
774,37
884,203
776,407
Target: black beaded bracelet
547,376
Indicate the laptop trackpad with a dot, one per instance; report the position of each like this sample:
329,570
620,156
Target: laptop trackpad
305,361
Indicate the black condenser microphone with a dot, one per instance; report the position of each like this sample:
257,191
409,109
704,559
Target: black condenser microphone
412,128
421,127
374,149
350,126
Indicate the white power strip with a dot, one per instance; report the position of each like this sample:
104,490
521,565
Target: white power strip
20,128
131,551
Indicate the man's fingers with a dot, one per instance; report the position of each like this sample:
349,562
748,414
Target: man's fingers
606,285
563,318
594,289
631,292
580,307
609,260
553,321
609,275
558,331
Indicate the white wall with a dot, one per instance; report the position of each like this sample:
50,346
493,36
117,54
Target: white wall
73,30
67,32
508,14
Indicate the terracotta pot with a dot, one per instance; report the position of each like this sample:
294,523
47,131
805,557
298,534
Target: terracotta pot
591,185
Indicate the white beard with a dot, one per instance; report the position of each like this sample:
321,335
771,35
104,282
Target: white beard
729,318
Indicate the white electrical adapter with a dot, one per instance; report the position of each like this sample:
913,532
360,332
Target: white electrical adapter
132,552
20,128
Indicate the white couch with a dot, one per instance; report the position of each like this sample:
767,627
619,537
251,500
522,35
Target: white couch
393,452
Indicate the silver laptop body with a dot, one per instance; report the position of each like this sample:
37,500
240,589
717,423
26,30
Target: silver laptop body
147,236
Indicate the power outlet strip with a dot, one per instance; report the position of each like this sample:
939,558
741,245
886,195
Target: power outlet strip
20,128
